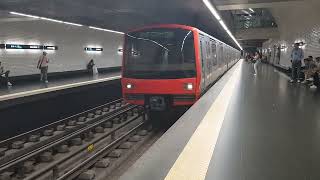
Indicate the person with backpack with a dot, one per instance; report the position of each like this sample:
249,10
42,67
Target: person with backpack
43,67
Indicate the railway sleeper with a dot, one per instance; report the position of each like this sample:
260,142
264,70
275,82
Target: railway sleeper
46,157
108,124
71,123
76,141
126,145
62,148
90,115
102,163
98,112
87,175
34,138
115,153
3,151
116,120
61,127
99,129
48,132
82,119
17,145
135,138
6,175
106,109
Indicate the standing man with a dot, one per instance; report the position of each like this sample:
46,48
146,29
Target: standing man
297,55
5,74
43,66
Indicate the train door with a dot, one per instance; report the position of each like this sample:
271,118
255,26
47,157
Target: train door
203,74
214,60
208,62
221,58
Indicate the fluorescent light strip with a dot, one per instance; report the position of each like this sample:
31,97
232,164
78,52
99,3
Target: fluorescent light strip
217,16
25,15
212,9
44,18
107,30
246,12
49,19
74,24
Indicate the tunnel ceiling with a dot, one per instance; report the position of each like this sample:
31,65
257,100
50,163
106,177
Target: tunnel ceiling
122,15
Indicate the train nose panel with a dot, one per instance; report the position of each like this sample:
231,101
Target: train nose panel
157,103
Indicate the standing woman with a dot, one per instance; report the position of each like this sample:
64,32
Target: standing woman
257,61
43,66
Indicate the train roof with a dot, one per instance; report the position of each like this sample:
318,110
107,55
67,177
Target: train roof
180,26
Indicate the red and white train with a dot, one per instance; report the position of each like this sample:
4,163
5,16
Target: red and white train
172,65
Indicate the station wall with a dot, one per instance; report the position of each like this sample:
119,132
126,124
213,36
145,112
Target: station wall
296,23
71,41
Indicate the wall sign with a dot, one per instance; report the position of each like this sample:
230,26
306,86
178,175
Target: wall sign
23,46
93,49
50,47
20,46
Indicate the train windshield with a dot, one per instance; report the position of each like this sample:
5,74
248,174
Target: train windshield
160,53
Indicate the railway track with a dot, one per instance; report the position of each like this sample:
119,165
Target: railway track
50,151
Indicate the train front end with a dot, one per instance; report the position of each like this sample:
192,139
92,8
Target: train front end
159,67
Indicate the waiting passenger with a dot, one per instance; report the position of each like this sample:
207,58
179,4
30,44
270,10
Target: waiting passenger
315,74
309,69
5,75
43,66
297,55
90,66
257,61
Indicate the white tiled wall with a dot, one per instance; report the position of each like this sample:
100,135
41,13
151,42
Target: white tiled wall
71,41
297,23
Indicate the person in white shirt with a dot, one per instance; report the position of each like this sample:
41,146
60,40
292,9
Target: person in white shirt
5,74
257,61
43,66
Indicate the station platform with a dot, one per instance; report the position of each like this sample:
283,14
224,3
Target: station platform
8,95
245,127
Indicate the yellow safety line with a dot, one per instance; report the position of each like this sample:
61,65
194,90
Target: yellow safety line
55,88
194,160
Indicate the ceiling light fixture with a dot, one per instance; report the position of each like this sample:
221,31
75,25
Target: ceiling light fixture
44,18
74,24
25,15
49,19
218,17
246,12
107,30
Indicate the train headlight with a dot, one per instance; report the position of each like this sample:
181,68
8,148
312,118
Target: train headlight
189,86
129,86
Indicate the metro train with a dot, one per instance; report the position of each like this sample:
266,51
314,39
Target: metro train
172,65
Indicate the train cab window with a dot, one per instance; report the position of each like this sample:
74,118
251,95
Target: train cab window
159,53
